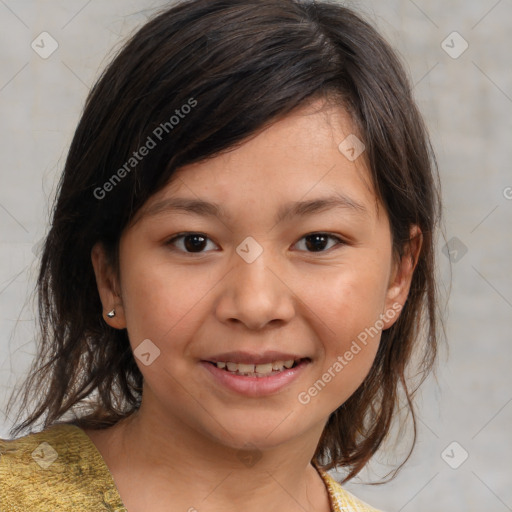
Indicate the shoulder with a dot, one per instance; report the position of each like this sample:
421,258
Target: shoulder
56,469
342,500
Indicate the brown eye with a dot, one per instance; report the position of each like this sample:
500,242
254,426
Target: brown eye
195,243
191,242
316,242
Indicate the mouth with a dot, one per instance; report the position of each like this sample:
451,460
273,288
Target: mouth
260,370
255,377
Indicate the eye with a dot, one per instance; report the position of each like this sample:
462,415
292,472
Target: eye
317,241
192,242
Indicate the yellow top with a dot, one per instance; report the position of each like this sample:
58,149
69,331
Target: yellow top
60,469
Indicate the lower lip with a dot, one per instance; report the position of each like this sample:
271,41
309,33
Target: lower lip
256,386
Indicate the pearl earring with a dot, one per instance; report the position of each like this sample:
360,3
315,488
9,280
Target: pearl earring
111,314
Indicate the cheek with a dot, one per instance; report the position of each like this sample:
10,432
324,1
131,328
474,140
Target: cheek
348,300
348,311
161,302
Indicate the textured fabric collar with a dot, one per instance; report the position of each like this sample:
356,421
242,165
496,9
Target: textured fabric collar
61,467
341,500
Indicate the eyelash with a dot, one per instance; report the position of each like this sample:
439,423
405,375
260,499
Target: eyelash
171,241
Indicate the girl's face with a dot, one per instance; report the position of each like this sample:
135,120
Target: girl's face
283,256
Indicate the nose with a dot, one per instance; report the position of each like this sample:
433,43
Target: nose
255,294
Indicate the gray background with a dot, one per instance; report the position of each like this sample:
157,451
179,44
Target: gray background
467,102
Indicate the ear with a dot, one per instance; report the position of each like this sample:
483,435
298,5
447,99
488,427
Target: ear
108,287
401,278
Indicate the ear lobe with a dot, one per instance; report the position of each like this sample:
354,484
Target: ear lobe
401,278
106,282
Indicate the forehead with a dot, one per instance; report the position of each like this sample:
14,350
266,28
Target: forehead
296,158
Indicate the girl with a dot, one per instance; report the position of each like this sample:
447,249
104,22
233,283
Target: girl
239,267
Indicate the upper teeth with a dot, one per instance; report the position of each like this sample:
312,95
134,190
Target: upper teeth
256,368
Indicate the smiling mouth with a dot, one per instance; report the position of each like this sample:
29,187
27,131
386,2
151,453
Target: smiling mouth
258,370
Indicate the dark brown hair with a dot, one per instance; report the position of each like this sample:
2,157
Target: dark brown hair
240,65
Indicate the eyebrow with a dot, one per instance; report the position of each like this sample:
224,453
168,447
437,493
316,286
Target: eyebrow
286,211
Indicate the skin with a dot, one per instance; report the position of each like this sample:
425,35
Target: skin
183,447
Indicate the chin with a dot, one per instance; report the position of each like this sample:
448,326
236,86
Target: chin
251,435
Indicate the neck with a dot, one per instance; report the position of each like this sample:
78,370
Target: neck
156,459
